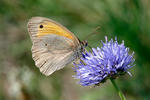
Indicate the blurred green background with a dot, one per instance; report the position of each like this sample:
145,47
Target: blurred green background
129,20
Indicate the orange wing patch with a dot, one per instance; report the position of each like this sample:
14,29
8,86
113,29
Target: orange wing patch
46,28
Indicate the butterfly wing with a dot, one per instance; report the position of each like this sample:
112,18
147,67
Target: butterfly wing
53,45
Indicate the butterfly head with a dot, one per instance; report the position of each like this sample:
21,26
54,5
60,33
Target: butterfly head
84,43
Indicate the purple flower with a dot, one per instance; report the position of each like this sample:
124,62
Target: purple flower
109,61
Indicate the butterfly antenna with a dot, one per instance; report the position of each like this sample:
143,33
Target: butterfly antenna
94,32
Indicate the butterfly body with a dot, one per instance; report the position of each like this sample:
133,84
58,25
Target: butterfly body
54,46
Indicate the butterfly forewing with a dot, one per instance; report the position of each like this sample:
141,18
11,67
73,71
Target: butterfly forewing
53,45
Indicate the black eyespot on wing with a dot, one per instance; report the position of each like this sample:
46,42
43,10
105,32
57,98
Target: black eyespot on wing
41,26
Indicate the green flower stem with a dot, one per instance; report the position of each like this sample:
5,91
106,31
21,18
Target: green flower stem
122,97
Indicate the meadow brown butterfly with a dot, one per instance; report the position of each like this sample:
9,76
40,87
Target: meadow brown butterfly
54,46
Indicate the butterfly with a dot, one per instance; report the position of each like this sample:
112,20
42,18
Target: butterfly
53,45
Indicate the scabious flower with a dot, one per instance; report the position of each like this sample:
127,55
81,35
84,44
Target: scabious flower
109,61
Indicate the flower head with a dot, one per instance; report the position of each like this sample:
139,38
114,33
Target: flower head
109,61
